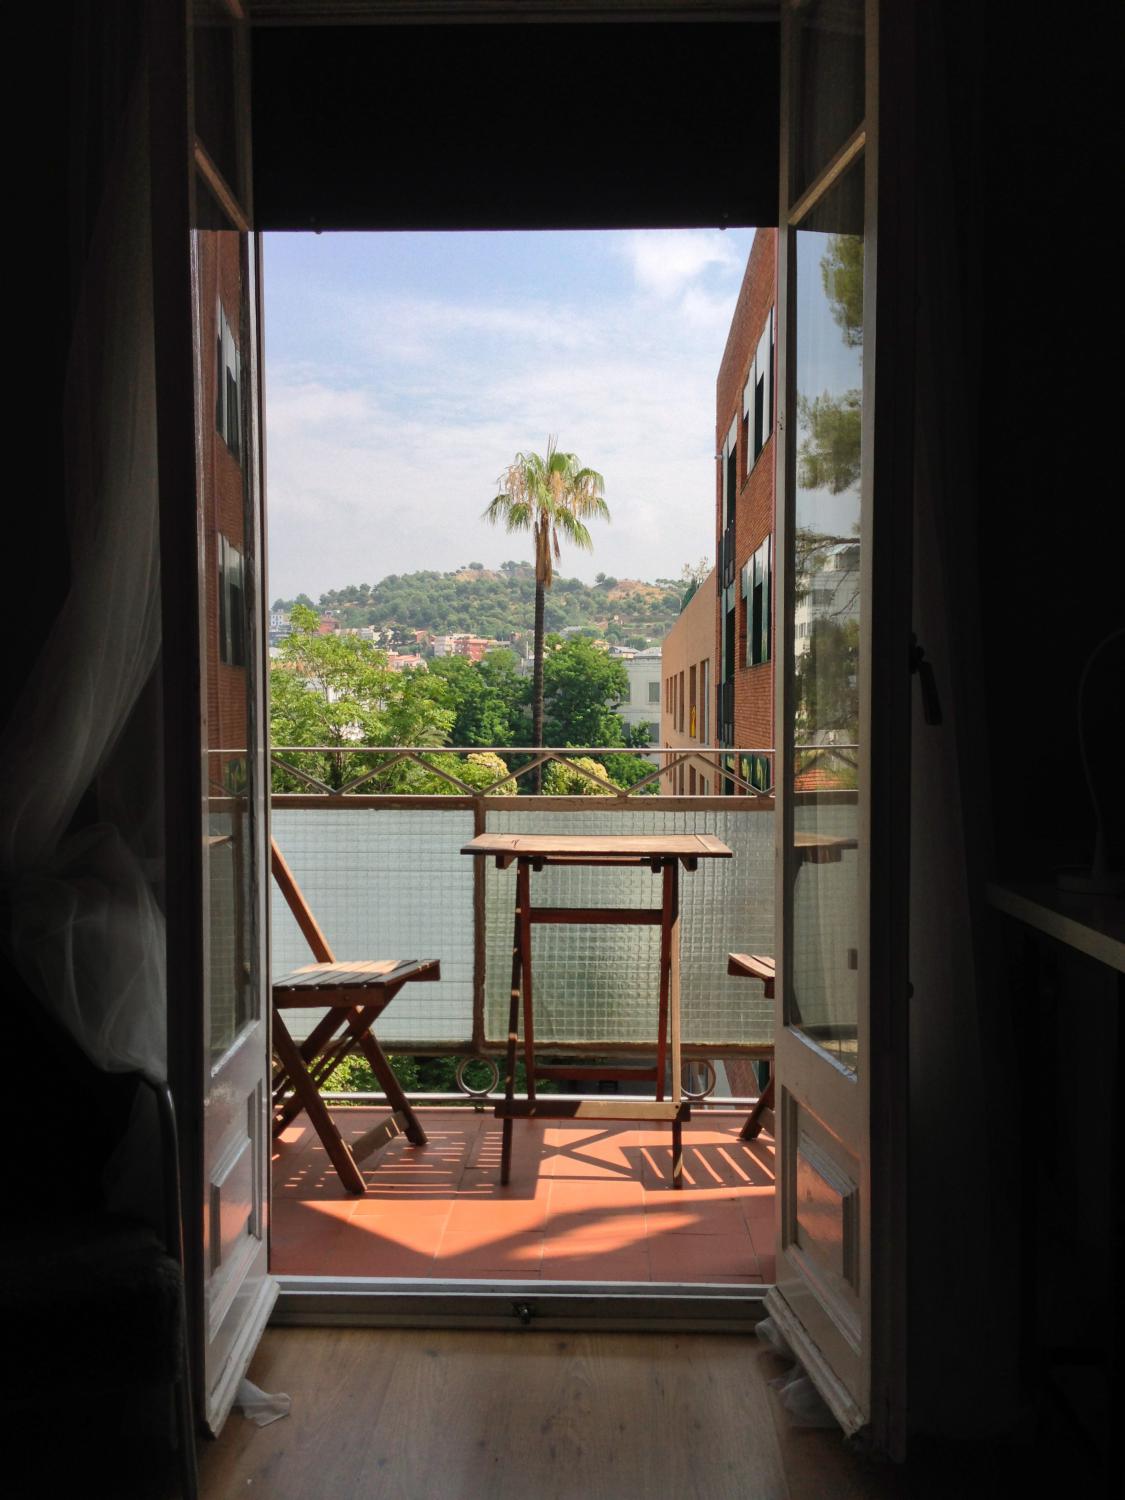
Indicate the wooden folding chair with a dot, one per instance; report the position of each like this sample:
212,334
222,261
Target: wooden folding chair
356,994
755,966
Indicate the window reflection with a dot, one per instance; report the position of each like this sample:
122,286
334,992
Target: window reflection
222,315
827,571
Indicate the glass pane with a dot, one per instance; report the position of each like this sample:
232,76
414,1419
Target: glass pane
230,667
829,81
599,985
826,564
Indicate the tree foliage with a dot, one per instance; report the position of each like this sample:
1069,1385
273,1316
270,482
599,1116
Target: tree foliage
827,683
582,684
337,692
566,779
552,498
841,272
829,452
501,603
489,698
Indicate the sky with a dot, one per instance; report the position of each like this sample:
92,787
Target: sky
404,372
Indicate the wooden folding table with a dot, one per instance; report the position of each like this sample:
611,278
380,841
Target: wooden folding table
663,854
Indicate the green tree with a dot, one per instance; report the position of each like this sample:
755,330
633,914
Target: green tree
551,497
691,576
488,698
336,692
582,686
565,778
826,683
841,272
828,452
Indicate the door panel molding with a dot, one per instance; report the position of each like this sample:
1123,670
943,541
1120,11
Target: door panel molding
835,1394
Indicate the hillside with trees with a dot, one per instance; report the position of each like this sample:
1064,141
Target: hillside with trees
476,600
338,694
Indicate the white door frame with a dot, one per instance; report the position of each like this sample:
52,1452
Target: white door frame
870,1111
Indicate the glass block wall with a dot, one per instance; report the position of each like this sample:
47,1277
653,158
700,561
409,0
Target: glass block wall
386,883
601,984
392,883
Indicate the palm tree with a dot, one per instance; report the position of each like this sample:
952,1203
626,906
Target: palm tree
551,497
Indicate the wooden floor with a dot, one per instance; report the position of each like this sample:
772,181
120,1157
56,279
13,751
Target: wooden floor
586,1202
410,1415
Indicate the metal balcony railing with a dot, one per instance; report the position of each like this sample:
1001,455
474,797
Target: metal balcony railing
381,867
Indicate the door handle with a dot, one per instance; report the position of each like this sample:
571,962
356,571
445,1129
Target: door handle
931,703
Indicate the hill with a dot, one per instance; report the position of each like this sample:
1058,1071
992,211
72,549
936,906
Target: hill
481,601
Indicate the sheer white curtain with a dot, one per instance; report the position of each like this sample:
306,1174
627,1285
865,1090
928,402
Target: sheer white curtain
87,929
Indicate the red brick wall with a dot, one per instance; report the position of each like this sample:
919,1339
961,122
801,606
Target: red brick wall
754,506
224,514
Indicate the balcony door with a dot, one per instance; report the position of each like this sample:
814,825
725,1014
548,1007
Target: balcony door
843,709
215,704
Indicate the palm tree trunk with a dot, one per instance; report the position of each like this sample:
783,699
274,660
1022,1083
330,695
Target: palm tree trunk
537,679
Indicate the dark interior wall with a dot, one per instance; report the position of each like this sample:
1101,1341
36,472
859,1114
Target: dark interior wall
515,127
1050,515
1017,532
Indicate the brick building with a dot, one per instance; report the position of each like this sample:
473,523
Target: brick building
744,515
688,666
223,468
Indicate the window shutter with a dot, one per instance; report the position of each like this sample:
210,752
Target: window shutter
767,591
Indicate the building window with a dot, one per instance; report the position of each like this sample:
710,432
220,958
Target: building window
654,692
228,386
680,702
705,702
232,605
757,578
757,398
730,471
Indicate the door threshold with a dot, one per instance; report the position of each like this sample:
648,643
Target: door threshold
603,1306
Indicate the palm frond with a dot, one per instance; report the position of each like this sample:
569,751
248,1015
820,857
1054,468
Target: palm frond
550,496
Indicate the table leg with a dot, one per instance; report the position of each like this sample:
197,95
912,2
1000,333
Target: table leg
304,1088
523,894
513,1030
672,906
665,978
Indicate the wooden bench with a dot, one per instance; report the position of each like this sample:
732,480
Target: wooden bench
356,992
755,966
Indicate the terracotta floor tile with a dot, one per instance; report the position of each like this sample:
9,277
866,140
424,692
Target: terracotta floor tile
599,1193
384,1203
403,1232
594,1260
693,1213
585,1203
702,1257
512,1216
471,1253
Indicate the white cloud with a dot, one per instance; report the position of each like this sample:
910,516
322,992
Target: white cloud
383,457
668,262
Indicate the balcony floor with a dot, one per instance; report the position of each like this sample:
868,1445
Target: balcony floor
586,1202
